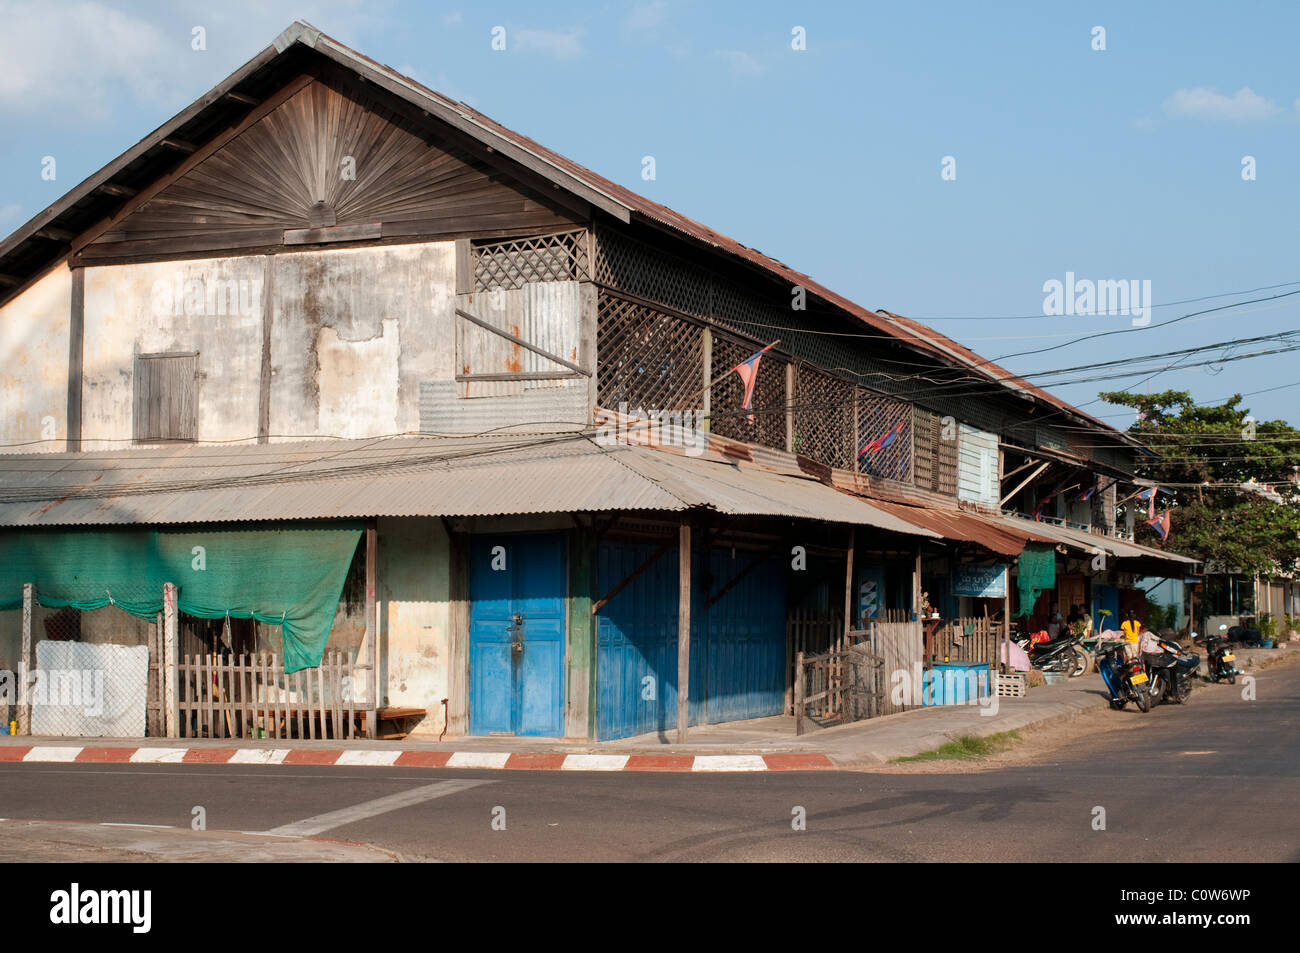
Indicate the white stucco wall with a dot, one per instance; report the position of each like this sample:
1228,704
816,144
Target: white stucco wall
355,332
213,306
34,385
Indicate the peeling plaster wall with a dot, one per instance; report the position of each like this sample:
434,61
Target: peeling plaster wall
414,617
34,343
213,306
355,332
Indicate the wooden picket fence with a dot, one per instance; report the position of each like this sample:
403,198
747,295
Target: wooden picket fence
973,639
251,696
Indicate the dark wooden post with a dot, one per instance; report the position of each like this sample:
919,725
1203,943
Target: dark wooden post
372,626
1005,648
683,628
848,588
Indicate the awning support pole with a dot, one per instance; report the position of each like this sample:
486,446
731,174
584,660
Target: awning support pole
372,626
170,714
25,664
683,628
848,588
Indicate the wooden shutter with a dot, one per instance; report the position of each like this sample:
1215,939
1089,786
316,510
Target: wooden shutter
166,397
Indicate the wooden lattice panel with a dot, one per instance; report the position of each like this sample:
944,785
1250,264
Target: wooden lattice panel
647,359
649,273
935,453
879,416
520,261
823,417
728,419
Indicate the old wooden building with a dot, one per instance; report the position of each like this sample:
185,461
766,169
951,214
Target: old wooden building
372,353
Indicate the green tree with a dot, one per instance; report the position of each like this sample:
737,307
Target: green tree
1204,455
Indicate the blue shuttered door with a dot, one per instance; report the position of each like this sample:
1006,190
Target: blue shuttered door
516,635
737,645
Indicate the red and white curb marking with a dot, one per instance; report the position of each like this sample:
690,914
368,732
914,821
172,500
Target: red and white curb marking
520,760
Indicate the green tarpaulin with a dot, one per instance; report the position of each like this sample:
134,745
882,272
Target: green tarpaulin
291,577
1037,565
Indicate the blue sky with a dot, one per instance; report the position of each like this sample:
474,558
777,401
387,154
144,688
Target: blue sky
1116,164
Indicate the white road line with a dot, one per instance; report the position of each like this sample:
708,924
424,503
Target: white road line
311,826
51,753
380,758
478,759
594,762
259,756
122,824
729,762
159,755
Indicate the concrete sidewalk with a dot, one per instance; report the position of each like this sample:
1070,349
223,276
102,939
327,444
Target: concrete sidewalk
760,744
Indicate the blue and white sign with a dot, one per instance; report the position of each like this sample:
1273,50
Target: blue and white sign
988,581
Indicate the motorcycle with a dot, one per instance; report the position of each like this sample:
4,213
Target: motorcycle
1219,661
1170,668
1126,679
1063,654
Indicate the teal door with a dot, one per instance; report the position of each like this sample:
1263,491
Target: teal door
516,635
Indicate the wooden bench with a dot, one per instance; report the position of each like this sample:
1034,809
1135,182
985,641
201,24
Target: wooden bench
395,717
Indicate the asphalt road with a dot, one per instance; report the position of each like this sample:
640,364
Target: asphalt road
1212,780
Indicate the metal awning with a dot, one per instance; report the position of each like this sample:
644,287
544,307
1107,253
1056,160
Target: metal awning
410,476
994,535
1088,542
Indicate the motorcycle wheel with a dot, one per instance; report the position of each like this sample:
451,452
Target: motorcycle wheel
1082,663
1143,699
1155,692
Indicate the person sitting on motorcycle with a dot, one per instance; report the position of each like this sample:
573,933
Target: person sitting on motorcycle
1132,629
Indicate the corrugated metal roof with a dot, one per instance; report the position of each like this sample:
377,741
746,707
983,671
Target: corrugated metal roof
1088,542
997,537
409,476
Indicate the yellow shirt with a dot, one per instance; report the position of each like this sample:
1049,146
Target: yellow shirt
1132,630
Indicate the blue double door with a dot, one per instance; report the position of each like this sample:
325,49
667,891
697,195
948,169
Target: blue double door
737,643
516,635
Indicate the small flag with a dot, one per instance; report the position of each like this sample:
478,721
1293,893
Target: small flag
884,440
1160,524
748,371
1090,492
1149,495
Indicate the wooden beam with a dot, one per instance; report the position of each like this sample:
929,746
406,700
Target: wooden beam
171,715
10,280
1023,466
848,588
119,191
76,358
242,98
25,665
522,343
1025,482
683,628
180,145
649,560
264,383
56,234
372,624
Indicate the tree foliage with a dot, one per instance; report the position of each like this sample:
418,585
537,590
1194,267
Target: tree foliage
1205,455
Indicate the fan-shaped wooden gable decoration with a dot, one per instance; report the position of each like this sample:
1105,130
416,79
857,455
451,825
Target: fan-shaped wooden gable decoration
325,160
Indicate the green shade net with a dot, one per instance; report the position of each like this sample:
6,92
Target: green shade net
289,577
1037,565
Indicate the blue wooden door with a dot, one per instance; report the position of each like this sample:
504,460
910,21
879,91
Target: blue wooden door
516,635
737,644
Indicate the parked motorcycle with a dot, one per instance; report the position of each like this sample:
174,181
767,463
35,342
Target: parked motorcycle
1219,661
1126,679
1170,668
1063,654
